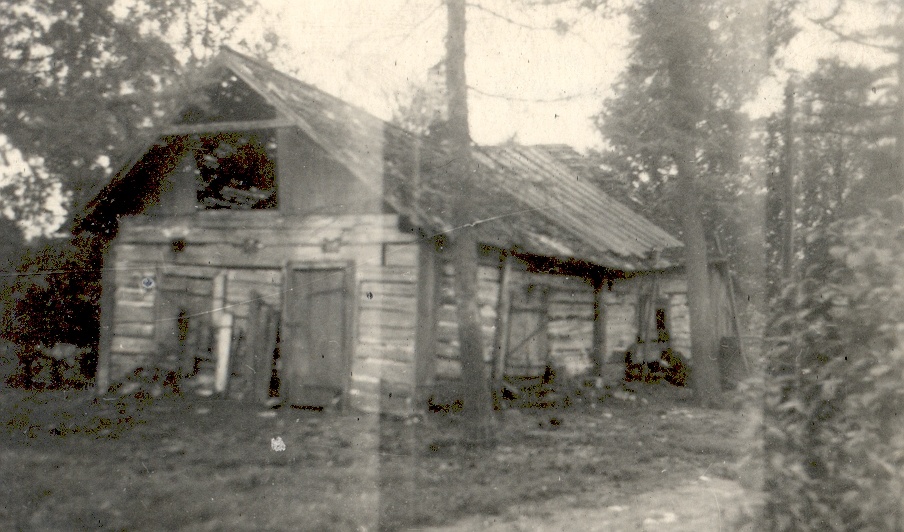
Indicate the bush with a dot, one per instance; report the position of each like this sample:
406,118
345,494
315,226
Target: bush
834,435
54,300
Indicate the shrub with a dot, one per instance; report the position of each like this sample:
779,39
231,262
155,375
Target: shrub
54,300
834,435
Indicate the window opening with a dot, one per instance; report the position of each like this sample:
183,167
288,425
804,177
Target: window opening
236,170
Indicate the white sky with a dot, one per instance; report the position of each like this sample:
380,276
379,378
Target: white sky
363,51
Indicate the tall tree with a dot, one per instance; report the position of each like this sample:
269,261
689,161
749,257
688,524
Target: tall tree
878,27
478,399
833,451
676,122
77,80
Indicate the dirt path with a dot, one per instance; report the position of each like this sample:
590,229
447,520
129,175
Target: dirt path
699,505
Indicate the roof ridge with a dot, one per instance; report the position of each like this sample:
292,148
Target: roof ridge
311,86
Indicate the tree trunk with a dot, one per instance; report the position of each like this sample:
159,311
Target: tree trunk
478,402
787,183
899,140
686,105
704,341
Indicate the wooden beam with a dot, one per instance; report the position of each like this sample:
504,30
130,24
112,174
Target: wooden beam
425,335
260,362
598,351
216,127
503,313
224,347
107,322
733,308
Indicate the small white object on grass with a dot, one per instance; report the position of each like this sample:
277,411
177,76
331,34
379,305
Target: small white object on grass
277,444
662,519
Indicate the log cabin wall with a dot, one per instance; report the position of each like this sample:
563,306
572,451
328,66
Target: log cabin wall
621,321
551,322
164,265
620,310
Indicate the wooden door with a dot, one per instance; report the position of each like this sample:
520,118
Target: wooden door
313,350
528,345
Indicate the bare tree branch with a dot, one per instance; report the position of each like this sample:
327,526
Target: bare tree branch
853,38
556,28
828,18
533,100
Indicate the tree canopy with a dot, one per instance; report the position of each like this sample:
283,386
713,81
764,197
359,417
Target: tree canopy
79,78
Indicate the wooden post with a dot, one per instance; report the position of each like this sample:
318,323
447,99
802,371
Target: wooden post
107,310
223,346
425,336
598,351
503,313
222,324
260,339
732,306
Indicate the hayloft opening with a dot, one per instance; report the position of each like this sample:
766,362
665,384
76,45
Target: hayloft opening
236,170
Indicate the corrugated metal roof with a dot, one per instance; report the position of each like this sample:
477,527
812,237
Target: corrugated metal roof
528,199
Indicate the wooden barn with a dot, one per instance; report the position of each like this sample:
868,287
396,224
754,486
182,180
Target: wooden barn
274,241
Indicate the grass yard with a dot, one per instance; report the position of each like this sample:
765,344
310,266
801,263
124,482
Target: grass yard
70,462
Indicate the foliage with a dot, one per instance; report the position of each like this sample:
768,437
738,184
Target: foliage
54,300
79,79
12,245
422,109
677,132
837,442
641,143
91,67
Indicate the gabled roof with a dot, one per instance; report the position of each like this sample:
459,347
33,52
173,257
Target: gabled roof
529,199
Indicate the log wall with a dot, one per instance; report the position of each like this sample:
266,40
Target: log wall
164,264
621,309
569,317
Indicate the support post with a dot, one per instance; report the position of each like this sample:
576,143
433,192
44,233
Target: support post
503,312
107,310
598,350
222,324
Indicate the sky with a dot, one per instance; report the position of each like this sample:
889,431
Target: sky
529,82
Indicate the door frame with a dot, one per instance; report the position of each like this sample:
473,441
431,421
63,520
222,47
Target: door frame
349,308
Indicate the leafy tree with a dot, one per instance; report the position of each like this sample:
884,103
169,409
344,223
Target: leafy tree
79,79
53,299
12,246
833,452
878,27
837,454
675,126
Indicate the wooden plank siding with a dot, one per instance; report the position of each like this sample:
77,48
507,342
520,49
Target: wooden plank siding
567,327
403,333
383,369
253,249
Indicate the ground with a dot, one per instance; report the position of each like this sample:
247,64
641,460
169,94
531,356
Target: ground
70,461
